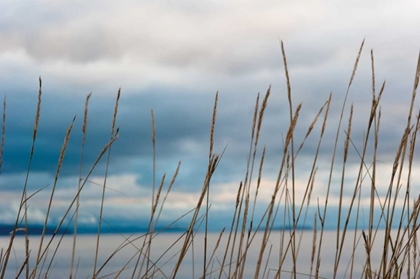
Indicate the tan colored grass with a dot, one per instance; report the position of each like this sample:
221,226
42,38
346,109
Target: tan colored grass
3,133
399,250
113,133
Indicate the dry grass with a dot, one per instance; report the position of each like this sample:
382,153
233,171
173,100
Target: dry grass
399,251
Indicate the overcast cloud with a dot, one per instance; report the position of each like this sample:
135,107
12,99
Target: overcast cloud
173,57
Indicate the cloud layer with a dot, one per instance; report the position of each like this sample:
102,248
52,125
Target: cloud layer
173,58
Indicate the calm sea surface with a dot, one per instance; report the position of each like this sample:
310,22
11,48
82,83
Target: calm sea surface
193,263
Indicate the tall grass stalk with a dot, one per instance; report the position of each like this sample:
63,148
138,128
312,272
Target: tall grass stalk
82,153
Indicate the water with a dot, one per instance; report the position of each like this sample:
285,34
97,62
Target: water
192,266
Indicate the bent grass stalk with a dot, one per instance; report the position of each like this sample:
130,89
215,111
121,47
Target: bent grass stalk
23,198
113,133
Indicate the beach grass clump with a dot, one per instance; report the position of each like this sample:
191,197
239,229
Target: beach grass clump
250,245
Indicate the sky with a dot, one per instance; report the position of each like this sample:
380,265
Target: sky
172,57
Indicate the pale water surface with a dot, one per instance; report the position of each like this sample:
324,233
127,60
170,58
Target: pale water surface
60,267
